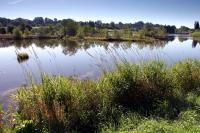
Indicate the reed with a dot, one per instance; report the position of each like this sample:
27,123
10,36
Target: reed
134,98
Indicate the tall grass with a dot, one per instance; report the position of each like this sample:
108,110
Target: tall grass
148,97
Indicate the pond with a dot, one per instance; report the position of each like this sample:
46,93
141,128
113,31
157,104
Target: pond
86,60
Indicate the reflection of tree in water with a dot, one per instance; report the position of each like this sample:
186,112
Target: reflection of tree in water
70,47
194,43
170,38
27,43
182,39
104,44
156,44
4,44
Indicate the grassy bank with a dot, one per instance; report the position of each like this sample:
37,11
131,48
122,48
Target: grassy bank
146,97
196,34
132,39
113,39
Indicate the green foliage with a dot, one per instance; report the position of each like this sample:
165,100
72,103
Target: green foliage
116,34
17,33
70,27
86,31
22,57
25,127
148,97
196,34
127,33
22,27
183,30
152,32
187,122
62,104
10,29
187,75
132,86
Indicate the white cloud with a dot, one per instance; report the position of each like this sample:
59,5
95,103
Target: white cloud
15,2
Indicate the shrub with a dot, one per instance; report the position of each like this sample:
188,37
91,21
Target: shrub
152,32
17,33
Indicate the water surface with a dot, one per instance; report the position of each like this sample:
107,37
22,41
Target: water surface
82,59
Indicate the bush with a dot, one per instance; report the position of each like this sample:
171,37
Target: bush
152,32
70,27
17,33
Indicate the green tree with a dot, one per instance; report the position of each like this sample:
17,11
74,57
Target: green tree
10,29
161,31
81,32
183,29
22,27
196,25
70,27
17,33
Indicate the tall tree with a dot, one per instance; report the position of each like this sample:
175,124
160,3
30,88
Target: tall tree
196,25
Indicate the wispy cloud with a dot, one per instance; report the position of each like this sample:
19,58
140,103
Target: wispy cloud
14,2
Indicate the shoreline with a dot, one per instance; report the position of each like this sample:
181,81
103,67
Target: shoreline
134,39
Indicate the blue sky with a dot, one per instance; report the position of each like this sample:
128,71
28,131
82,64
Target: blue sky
173,12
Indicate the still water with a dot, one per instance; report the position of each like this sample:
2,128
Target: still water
86,60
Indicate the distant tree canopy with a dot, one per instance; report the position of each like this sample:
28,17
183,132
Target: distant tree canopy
150,31
196,25
67,27
70,27
40,21
10,29
170,29
183,29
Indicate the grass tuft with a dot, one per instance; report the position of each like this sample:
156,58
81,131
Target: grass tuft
21,57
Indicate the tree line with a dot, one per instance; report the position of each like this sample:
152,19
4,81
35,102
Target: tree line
67,27
40,21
